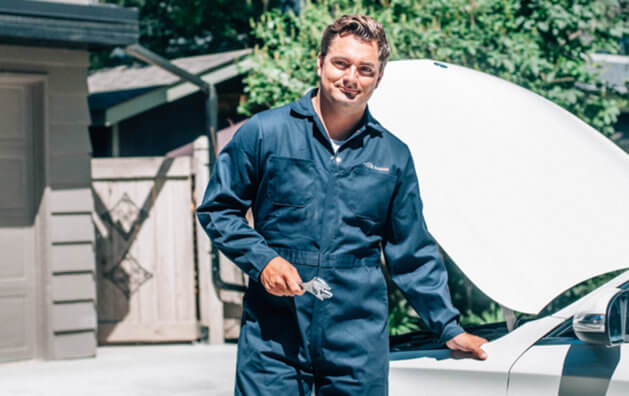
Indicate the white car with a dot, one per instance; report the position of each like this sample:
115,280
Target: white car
528,201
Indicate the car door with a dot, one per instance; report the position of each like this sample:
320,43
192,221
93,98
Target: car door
560,364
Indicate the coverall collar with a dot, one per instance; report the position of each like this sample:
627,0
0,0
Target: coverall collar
303,107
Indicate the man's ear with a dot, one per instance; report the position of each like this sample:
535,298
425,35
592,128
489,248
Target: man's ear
319,64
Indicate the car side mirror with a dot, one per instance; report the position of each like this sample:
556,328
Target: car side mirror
605,321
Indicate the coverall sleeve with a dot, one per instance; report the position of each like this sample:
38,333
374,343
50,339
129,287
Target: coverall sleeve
414,261
229,194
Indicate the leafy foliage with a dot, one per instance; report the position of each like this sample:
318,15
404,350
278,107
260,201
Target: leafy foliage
402,318
541,45
492,314
176,28
476,308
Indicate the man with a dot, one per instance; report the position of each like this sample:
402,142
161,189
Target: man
329,188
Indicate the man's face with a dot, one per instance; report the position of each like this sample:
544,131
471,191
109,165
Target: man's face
350,72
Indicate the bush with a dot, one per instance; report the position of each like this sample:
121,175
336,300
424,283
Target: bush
540,45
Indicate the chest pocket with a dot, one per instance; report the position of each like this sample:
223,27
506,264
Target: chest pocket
290,181
368,192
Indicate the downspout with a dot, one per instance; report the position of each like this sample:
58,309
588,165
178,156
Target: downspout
211,116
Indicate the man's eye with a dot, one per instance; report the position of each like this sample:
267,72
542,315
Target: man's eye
367,71
340,64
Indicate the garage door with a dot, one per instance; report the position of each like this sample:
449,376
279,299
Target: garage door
17,313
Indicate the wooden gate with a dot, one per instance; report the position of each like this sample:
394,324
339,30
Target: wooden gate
147,288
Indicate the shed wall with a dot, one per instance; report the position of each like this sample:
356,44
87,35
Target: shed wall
65,265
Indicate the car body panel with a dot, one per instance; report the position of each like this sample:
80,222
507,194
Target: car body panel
538,371
576,369
619,385
520,193
448,382
519,363
438,373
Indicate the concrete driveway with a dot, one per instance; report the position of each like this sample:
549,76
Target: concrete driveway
155,370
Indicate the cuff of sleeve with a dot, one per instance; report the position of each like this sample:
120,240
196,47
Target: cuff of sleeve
259,260
450,331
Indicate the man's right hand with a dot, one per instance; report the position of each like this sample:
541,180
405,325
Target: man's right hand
281,278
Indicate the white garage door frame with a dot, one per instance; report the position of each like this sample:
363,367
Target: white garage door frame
31,284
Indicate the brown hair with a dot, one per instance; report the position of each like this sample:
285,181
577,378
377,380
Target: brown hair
361,26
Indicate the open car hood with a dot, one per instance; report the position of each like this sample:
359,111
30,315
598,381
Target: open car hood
527,199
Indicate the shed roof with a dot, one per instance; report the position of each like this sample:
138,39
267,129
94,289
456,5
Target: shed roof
134,77
118,93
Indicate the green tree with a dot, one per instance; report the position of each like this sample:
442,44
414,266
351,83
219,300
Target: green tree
541,45
176,28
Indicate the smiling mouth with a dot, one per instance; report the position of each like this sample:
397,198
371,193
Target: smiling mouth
348,92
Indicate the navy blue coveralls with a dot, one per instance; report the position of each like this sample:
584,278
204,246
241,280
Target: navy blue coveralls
329,214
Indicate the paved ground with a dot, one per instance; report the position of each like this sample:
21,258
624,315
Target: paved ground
155,370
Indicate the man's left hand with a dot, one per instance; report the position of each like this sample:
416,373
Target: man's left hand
467,342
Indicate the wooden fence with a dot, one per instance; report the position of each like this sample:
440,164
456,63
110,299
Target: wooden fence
154,280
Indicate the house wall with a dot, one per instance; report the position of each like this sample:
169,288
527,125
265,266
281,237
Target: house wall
65,264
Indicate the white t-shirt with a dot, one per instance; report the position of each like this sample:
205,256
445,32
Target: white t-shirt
336,144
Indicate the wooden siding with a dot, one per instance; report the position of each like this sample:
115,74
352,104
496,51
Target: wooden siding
71,228
66,295
69,108
73,317
69,138
75,257
67,79
73,287
78,200
74,345
69,170
43,58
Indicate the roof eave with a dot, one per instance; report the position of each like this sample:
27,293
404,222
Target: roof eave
73,26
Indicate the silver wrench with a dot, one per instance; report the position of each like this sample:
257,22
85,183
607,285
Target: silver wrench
317,287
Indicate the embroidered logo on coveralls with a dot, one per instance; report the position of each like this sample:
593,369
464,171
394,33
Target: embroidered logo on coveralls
377,168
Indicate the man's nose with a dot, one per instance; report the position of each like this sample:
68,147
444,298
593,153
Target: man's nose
351,74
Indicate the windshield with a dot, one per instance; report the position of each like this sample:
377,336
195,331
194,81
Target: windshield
573,294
